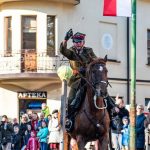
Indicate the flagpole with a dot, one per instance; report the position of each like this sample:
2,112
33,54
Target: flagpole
133,78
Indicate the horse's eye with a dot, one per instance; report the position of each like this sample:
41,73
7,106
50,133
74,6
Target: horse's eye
101,68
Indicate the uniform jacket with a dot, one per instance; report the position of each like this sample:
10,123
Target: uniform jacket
84,56
140,131
77,60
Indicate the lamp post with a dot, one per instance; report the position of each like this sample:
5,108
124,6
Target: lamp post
132,145
64,73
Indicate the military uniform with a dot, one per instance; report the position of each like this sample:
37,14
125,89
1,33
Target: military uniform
76,61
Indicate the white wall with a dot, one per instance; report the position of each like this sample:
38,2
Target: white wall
8,103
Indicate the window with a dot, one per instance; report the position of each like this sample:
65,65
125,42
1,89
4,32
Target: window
29,32
148,47
147,100
28,53
8,36
51,36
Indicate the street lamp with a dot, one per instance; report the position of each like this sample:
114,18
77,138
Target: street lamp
64,73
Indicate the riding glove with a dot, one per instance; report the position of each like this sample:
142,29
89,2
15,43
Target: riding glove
82,70
69,34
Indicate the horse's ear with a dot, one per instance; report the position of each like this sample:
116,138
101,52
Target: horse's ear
105,58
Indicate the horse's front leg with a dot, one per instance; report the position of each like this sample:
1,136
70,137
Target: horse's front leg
81,142
103,143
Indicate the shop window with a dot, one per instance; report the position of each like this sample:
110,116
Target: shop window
8,36
29,30
51,36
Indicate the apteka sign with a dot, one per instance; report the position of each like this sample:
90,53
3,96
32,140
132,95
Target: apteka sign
32,95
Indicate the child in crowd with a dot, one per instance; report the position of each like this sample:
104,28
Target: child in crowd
125,133
16,139
27,134
33,143
42,135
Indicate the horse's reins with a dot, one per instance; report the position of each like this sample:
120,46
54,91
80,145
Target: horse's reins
91,85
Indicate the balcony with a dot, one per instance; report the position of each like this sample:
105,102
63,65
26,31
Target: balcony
75,2
29,71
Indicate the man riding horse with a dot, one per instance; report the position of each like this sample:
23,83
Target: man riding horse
79,57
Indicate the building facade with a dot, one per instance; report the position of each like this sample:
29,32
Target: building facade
30,35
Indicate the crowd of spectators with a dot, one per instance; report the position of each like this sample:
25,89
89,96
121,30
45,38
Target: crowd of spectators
43,131
34,132
120,128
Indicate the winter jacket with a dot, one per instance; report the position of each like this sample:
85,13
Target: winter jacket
6,131
42,134
40,122
27,136
34,125
54,129
16,140
116,121
125,135
33,144
140,134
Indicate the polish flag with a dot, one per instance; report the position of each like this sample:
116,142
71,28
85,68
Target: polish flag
117,8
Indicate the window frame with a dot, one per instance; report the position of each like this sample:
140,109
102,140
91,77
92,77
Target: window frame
8,51
51,53
22,28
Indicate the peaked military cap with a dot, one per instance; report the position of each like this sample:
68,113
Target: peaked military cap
78,37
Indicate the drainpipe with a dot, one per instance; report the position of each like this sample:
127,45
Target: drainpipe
128,61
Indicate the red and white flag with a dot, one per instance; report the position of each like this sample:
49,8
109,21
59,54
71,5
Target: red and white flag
117,8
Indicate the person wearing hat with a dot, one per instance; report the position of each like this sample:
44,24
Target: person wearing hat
79,57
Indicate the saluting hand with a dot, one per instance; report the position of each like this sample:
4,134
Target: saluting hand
69,34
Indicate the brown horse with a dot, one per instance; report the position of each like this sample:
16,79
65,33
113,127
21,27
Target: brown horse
92,120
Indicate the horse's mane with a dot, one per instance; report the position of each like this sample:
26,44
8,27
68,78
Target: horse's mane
95,61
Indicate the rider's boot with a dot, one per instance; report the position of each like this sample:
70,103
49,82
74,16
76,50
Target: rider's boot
72,109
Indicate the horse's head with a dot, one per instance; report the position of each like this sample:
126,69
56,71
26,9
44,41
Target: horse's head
97,75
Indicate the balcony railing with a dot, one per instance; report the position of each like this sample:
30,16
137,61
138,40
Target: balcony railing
23,62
